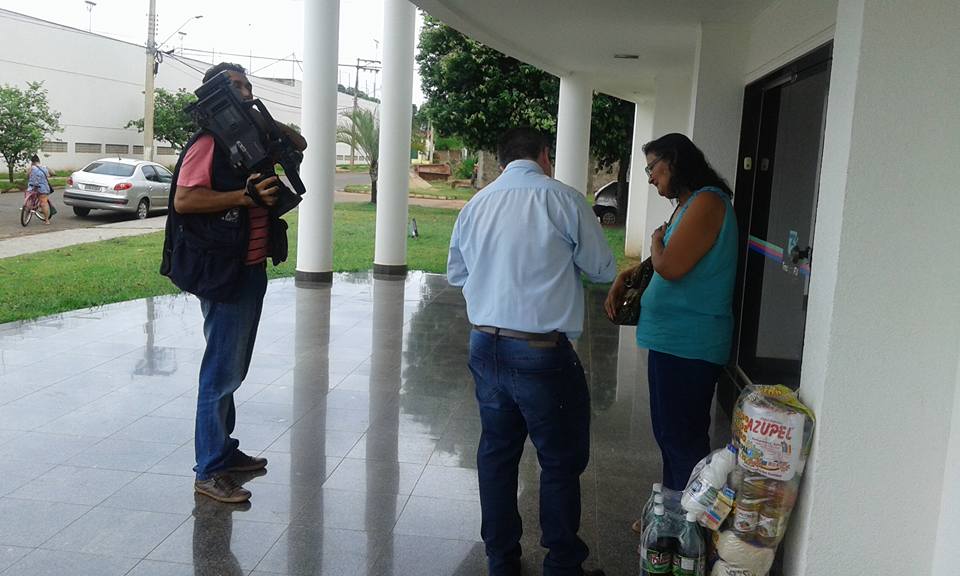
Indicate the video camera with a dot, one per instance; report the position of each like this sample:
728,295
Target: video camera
253,139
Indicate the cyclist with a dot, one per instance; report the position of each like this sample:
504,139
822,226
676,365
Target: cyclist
38,183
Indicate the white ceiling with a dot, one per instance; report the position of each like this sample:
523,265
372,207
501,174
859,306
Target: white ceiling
576,36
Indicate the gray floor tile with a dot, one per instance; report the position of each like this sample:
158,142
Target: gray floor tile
154,568
157,429
9,555
32,522
116,532
45,447
74,485
440,518
180,462
410,555
118,454
366,511
448,482
311,550
394,448
16,473
155,493
284,469
57,562
375,476
213,537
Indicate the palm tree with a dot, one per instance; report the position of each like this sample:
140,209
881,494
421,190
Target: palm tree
362,130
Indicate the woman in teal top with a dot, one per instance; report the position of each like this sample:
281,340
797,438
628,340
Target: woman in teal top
686,317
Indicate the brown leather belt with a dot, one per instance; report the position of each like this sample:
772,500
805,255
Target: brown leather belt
518,335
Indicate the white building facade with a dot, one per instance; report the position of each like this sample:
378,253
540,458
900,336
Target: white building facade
96,83
837,123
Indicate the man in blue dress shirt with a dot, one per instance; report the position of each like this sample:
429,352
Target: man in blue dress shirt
518,249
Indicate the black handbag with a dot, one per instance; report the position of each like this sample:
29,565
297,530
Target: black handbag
628,312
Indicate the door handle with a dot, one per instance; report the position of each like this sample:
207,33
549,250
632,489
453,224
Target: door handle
798,256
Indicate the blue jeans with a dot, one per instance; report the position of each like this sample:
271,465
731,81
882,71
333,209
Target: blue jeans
538,389
230,329
681,393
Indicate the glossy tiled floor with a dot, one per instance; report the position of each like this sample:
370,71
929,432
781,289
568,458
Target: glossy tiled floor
358,395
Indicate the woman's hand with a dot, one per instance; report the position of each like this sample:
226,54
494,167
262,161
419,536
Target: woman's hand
656,239
615,295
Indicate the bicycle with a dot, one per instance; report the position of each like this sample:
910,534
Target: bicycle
31,208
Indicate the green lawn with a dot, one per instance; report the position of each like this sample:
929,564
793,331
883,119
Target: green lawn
126,268
362,168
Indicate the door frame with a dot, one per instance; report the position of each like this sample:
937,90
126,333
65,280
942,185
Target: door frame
733,379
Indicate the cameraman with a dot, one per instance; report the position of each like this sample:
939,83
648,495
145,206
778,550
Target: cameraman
218,237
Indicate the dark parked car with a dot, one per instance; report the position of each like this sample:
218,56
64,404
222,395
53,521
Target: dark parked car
605,203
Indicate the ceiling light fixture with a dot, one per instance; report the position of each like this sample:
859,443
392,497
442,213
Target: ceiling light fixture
627,56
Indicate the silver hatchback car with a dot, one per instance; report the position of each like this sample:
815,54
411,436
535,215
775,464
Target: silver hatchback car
119,184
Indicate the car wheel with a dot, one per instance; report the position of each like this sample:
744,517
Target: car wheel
608,218
81,212
143,209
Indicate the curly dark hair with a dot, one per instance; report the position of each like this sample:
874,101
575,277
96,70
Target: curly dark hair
689,168
214,70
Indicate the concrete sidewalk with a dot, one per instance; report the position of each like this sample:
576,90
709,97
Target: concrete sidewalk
62,238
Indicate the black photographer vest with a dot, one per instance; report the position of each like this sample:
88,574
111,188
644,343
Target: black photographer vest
204,253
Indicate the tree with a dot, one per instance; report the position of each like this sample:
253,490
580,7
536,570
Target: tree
25,120
171,123
363,130
477,93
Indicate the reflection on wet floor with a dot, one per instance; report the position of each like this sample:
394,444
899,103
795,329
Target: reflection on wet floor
358,395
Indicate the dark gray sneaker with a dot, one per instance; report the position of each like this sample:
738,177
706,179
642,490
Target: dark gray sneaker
241,462
222,488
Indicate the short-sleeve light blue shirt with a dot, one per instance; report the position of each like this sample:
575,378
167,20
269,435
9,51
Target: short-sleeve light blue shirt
519,248
37,181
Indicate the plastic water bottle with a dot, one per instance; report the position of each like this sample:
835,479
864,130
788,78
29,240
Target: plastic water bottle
647,512
658,546
690,557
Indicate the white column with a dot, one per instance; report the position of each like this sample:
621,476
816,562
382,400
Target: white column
321,21
883,322
573,132
396,111
671,114
636,226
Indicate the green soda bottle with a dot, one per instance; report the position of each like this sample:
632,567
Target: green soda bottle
657,552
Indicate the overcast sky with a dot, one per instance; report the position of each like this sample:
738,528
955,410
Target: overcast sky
267,30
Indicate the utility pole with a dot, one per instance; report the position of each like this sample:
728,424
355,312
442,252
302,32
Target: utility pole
148,82
90,5
367,65
353,133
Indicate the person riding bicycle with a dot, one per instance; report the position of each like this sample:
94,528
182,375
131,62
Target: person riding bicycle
38,183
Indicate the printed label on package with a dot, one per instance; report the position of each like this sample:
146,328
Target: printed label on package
770,441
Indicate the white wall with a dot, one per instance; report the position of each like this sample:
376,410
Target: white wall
96,83
718,95
880,362
786,30
947,553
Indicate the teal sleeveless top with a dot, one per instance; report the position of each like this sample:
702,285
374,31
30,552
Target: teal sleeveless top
693,317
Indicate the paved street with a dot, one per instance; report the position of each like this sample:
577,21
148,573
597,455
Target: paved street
10,203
